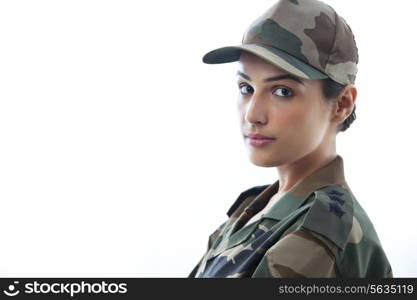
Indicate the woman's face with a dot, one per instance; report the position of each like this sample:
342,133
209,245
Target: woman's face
288,108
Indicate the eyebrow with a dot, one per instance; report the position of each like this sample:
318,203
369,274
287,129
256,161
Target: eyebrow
274,78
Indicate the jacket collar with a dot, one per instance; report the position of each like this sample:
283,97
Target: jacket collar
332,173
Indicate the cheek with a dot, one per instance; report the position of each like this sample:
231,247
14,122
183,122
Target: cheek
302,131
296,128
288,120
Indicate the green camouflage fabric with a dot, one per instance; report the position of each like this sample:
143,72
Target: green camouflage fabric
316,229
304,37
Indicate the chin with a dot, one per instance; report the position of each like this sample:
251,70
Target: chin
263,162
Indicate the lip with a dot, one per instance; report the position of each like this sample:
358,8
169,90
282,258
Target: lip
258,140
259,136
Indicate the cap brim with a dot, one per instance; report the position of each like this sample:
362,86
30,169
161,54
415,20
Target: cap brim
273,55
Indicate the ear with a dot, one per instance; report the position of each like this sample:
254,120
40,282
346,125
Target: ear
344,104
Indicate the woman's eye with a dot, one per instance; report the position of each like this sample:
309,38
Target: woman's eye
283,92
245,89
280,91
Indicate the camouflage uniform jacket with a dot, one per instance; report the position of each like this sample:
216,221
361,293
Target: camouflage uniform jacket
316,229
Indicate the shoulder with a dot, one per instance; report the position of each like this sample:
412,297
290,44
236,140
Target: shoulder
253,191
311,248
331,214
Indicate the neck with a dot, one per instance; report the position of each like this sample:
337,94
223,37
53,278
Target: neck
291,173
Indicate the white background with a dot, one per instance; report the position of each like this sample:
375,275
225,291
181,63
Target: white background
120,151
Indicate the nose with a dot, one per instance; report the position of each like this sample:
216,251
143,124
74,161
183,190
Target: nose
256,110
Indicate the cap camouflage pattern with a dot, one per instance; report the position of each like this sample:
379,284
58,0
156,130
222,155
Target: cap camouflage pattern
304,37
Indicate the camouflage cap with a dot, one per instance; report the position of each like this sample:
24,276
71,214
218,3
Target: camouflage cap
304,37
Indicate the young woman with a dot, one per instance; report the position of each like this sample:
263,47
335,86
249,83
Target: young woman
296,70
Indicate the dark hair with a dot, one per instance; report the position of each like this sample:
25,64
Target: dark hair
332,89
